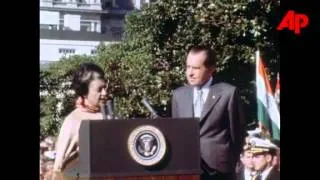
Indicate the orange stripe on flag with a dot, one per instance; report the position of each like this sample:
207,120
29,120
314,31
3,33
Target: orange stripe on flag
263,74
278,82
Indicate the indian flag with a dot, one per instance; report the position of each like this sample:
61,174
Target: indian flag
268,112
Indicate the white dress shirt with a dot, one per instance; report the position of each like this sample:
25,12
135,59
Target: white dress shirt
247,174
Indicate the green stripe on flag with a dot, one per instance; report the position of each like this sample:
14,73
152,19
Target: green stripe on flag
267,123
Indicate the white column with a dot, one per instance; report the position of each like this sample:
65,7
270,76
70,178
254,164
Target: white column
92,27
137,4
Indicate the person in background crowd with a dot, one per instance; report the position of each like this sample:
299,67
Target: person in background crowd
49,170
276,158
247,171
264,151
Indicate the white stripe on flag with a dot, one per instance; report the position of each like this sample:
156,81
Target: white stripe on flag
268,101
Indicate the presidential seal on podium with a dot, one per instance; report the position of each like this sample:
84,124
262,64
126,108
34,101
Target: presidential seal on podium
147,145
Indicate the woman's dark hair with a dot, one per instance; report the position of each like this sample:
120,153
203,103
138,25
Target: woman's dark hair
82,77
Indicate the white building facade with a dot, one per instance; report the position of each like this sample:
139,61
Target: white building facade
51,49
77,27
70,27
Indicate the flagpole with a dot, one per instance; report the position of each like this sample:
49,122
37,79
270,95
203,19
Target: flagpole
257,70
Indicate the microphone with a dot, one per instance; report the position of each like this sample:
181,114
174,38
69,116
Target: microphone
103,111
110,109
148,106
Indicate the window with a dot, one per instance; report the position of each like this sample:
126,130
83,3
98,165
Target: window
107,4
44,26
53,27
57,2
90,25
49,26
116,34
116,31
67,51
83,2
85,26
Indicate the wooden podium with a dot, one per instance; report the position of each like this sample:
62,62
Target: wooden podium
105,151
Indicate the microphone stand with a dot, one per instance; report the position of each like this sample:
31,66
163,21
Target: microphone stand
146,103
103,111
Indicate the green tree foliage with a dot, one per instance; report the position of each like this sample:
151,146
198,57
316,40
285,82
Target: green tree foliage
150,59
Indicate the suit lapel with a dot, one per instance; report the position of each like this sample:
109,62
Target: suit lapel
188,101
212,98
271,174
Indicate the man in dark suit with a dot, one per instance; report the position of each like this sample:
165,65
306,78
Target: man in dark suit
218,107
